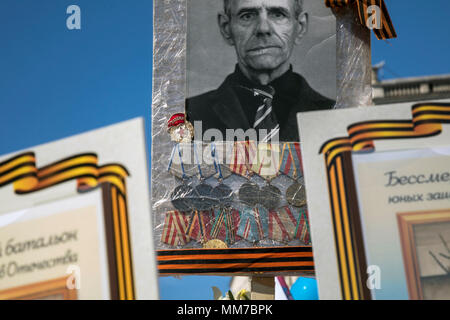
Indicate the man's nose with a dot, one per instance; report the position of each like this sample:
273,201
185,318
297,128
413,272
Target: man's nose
264,27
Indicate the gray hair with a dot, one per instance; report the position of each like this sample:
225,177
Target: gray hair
298,7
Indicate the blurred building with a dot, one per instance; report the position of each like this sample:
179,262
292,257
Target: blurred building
408,89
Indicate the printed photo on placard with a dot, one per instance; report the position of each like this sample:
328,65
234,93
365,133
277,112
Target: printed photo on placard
255,65
377,189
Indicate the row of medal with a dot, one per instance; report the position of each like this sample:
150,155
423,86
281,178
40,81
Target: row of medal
232,225
245,159
202,206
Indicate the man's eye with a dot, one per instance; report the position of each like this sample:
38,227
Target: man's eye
277,15
247,16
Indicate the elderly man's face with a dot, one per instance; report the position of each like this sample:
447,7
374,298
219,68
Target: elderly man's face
263,32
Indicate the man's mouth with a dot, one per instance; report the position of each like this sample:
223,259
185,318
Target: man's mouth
262,49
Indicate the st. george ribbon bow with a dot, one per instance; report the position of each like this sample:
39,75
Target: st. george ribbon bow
386,30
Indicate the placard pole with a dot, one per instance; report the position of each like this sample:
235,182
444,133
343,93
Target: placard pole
262,288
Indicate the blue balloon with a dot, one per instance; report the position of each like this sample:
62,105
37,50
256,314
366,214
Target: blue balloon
305,289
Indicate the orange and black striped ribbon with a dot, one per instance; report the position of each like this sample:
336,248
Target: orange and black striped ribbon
235,260
427,120
21,171
123,255
346,248
387,30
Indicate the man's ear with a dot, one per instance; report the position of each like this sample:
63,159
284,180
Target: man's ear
225,28
302,21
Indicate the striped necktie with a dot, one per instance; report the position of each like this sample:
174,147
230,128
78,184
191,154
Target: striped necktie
265,117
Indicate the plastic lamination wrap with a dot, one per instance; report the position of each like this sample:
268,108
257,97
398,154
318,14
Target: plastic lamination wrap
226,197
222,192
168,95
353,57
234,197
227,207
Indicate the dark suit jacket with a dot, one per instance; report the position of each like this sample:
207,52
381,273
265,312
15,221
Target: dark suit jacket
222,108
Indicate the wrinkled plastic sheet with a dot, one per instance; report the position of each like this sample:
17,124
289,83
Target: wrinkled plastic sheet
353,58
353,85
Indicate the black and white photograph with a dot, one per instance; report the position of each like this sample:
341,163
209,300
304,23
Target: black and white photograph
254,64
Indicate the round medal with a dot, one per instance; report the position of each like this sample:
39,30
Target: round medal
223,194
203,199
215,243
249,193
296,195
181,198
270,197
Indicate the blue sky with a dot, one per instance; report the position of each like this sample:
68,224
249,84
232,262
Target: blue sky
423,45
55,82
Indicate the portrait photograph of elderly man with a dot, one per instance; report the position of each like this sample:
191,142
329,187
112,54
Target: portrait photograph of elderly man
257,66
